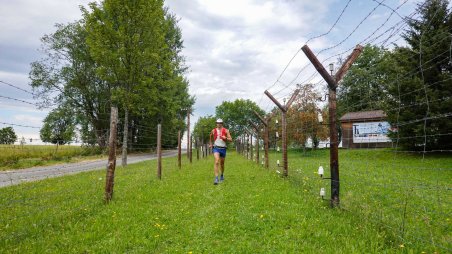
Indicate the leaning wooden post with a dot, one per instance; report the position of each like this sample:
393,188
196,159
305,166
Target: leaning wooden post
110,179
266,136
332,82
159,151
284,109
179,150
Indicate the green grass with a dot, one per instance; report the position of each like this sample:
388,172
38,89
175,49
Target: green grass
253,211
17,157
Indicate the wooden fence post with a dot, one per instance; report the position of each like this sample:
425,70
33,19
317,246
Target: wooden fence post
256,128
159,151
111,166
332,82
197,149
188,134
179,150
284,109
191,149
266,136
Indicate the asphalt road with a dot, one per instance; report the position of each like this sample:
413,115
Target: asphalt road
13,177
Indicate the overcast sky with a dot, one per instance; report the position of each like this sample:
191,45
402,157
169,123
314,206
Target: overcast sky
234,49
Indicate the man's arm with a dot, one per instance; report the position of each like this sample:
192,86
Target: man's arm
229,138
210,138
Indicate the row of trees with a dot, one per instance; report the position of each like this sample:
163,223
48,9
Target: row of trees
123,53
303,123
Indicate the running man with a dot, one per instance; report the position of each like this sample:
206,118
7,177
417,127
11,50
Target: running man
219,135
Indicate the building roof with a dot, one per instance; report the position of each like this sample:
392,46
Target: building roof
363,115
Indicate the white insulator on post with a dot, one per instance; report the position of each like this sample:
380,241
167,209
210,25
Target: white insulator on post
320,117
276,121
277,134
322,192
277,162
277,149
320,171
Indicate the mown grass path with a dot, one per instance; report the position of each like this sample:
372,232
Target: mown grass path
253,211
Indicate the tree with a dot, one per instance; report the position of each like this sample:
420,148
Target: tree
137,46
237,114
203,127
59,127
80,70
67,76
7,136
364,86
302,118
419,104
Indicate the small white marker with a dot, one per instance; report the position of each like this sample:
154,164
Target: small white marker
320,172
320,117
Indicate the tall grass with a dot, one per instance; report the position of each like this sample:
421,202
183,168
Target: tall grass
17,156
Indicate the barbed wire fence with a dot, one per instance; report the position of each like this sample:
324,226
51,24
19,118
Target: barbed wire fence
404,193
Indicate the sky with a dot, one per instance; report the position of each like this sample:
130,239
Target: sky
234,49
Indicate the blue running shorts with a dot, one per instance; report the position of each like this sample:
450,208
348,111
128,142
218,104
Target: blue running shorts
221,151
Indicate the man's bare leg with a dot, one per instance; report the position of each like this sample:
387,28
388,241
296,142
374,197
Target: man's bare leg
222,168
216,166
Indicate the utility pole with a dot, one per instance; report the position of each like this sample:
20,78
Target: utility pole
333,82
284,109
111,166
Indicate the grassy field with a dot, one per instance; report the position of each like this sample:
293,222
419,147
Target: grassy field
391,203
16,156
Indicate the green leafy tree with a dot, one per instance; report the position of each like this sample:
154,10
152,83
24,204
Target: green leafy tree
125,39
364,86
7,136
203,127
237,114
59,127
137,45
67,76
419,103
302,118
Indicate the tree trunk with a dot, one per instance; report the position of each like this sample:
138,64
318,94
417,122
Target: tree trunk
125,138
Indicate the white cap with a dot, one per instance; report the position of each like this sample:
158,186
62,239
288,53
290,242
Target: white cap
219,120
